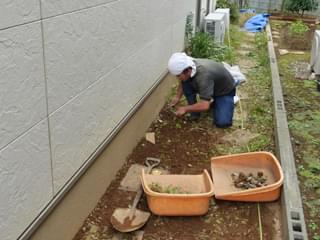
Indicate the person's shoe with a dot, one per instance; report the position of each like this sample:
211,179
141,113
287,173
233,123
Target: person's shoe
223,126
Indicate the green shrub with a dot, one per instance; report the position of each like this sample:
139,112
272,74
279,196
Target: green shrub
298,28
300,6
203,46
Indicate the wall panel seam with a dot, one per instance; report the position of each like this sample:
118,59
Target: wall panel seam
108,73
61,14
79,10
46,98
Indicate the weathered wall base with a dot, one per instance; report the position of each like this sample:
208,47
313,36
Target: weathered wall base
68,216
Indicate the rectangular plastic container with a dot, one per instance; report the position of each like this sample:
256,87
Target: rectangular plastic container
193,203
222,167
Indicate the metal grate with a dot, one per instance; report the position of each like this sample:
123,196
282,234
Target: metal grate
211,28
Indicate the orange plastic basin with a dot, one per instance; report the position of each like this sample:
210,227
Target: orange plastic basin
193,203
222,167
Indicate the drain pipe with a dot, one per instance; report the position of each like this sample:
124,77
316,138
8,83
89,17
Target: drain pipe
28,232
208,9
294,226
198,14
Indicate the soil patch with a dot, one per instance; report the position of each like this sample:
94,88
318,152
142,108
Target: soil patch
184,149
239,137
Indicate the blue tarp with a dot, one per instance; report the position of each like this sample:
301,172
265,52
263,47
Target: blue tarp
257,23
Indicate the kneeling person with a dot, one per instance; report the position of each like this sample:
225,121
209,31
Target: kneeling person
211,81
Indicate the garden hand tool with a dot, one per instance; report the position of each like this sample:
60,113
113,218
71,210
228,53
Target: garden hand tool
130,219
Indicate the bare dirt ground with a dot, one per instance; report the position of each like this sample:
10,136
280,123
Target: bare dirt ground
186,148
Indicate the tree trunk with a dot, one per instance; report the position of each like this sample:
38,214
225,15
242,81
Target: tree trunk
282,5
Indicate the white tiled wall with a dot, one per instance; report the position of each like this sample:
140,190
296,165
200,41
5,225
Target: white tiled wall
22,86
18,12
66,81
25,177
56,7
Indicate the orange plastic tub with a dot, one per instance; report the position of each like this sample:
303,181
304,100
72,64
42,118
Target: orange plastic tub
222,167
195,202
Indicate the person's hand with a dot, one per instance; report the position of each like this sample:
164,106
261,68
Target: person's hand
181,111
174,101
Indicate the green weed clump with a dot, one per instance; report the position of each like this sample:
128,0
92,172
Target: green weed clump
157,187
202,45
261,42
298,28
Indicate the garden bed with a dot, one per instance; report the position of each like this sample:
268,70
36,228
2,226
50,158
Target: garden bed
186,148
302,102
285,17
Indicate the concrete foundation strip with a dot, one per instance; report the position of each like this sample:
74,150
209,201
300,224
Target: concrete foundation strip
294,226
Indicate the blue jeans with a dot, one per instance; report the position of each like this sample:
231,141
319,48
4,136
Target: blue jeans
223,109
222,112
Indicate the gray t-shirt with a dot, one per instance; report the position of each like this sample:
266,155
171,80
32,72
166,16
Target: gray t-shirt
211,79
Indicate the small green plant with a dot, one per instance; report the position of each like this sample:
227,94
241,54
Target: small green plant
313,226
298,28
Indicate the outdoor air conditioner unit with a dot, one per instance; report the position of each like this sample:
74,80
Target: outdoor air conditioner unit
226,12
315,53
214,25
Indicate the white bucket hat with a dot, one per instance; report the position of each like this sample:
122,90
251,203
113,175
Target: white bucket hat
179,62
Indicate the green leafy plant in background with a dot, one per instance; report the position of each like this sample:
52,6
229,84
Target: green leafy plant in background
261,42
202,45
234,9
313,226
300,6
223,53
311,175
298,28
316,237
